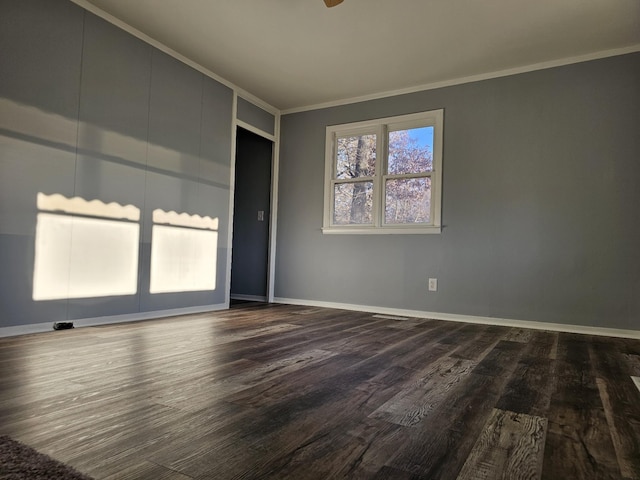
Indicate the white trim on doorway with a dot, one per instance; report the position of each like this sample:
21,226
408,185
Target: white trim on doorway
275,168
256,130
232,189
273,222
249,298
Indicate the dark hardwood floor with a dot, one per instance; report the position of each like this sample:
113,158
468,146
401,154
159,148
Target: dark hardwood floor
277,391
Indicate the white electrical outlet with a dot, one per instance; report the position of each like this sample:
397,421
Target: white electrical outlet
433,284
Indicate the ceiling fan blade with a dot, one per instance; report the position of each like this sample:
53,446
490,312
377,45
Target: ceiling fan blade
332,3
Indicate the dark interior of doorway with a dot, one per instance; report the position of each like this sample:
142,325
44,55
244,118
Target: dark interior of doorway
251,215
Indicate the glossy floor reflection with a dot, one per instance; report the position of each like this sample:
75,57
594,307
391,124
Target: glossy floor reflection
277,391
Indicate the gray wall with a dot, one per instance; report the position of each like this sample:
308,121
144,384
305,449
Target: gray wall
255,116
88,110
540,203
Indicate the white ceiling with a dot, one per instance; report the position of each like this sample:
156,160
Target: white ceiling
296,53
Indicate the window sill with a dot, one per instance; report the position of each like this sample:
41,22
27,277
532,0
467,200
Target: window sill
381,230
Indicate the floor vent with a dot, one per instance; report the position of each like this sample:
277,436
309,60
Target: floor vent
390,317
62,325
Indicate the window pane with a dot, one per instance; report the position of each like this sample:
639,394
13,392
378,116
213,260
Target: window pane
408,200
410,151
353,203
356,156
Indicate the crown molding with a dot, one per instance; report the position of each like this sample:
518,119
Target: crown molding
469,79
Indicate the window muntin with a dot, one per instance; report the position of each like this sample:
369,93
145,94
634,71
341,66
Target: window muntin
384,176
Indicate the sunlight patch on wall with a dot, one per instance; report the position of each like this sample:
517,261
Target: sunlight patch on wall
184,251
85,248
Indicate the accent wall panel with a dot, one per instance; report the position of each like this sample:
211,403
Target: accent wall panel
255,116
215,146
175,116
112,142
41,44
103,138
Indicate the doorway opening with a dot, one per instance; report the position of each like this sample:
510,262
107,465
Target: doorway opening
251,218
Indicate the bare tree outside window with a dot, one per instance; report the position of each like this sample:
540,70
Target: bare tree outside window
408,200
408,196
384,175
410,151
355,158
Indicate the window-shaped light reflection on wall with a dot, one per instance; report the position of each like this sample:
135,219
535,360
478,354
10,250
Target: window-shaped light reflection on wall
85,248
184,251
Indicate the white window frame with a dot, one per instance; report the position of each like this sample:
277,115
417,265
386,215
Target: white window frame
381,127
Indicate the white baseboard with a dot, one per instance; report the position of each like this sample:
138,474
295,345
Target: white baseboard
107,320
249,298
504,322
452,317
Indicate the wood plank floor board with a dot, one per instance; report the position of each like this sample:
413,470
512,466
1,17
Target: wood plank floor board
441,446
464,333
371,444
576,385
329,451
578,445
416,401
311,337
500,360
106,439
367,341
533,381
192,393
304,429
578,441
289,392
477,347
147,470
417,351
522,335
388,473
530,388
322,451
619,398
217,455
296,383
633,363
511,446
358,373
541,344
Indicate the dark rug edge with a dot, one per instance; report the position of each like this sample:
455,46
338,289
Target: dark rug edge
19,461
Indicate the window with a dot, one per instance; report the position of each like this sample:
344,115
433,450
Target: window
385,175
